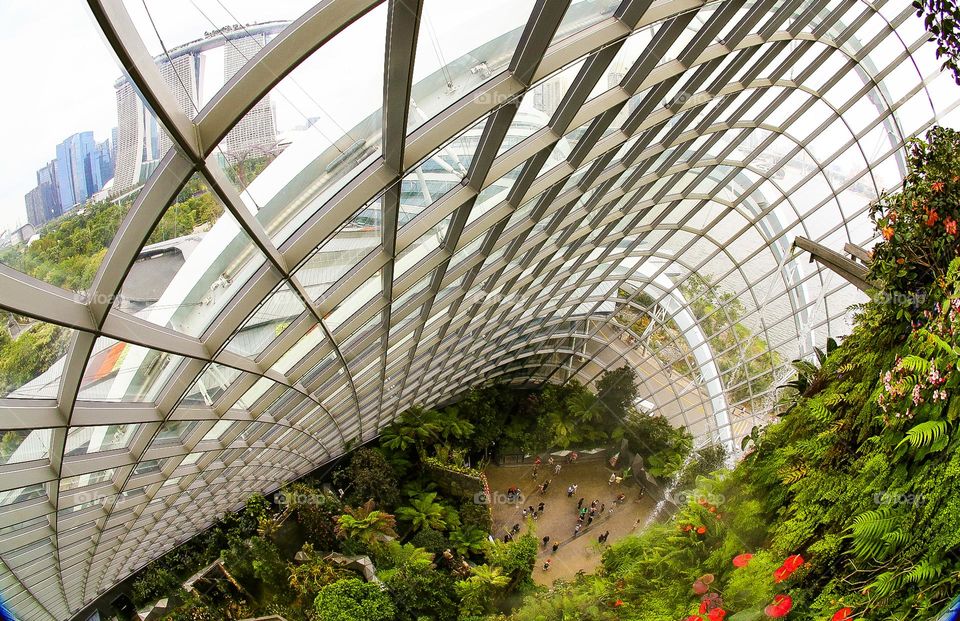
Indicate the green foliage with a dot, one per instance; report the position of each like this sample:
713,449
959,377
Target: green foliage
617,391
353,600
424,512
422,593
71,248
30,354
365,524
663,446
368,476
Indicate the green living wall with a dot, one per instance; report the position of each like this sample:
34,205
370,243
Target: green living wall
848,507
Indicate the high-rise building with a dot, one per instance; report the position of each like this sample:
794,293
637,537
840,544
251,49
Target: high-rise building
43,202
257,130
102,163
34,205
139,142
75,169
49,191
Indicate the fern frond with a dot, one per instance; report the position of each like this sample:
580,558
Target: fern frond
916,364
927,433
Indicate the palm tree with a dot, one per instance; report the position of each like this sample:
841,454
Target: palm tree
366,524
476,591
467,540
415,427
450,425
584,407
424,511
409,554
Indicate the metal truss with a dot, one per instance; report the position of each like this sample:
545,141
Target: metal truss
733,130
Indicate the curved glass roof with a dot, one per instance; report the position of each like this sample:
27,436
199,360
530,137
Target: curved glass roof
377,204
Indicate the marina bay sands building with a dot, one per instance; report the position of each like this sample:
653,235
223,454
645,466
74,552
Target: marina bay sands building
193,72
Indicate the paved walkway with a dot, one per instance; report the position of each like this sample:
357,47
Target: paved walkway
559,517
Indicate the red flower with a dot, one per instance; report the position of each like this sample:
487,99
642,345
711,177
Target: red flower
937,186
694,618
793,563
950,225
712,509
932,217
742,560
703,606
888,233
780,607
701,530
781,573
717,614
842,615
618,603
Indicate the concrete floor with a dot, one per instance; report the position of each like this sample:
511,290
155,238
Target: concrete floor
559,517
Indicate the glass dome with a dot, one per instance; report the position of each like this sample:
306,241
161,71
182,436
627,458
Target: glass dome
308,219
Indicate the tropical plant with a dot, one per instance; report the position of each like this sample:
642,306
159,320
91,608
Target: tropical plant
366,524
468,540
478,591
353,600
424,511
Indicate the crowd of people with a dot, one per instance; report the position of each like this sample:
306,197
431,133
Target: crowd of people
585,516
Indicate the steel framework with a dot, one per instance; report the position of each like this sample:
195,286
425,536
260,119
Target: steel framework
735,128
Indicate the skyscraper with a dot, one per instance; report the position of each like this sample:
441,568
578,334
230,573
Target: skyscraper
75,176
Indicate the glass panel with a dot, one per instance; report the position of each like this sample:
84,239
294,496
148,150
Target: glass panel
303,347
354,240
196,259
461,45
267,323
582,14
438,174
118,371
22,494
538,105
174,431
354,302
86,440
322,136
214,380
423,246
32,355
20,445
83,480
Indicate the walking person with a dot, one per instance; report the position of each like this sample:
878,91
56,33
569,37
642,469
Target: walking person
606,536
546,484
546,565
580,504
546,540
540,507
602,506
570,491
576,530
556,469
613,477
589,520
556,546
